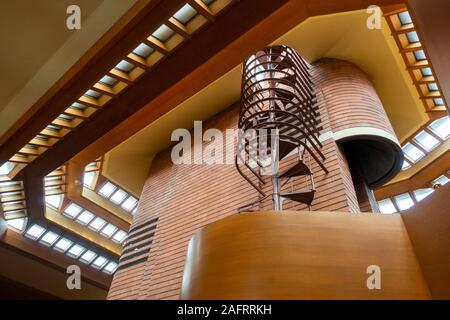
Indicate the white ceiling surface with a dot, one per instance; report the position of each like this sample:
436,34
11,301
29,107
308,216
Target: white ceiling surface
36,48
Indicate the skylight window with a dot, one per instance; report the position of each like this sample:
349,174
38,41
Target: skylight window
85,217
129,204
118,196
438,102
421,194
185,14
75,251
442,180
16,224
62,245
109,81
441,127
163,33
405,18
426,140
143,50
426,72
52,128
54,201
420,55
412,37
386,206
99,262
406,165
35,232
110,268
108,230
404,201
88,179
432,87
93,94
72,210
107,189
125,66
49,238
119,236
5,168
97,224
413,152
63,117
78,106
88,256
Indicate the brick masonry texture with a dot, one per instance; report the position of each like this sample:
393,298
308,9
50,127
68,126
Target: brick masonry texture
185,198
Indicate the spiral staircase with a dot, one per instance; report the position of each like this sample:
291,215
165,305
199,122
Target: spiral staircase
279,117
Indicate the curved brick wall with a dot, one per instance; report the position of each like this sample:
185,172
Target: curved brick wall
357,119
350,98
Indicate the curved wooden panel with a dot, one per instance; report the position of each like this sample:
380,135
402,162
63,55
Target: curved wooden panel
302,256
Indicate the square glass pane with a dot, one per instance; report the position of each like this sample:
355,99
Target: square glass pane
406,165
125,66
423,193
413,152
108,230
163,33
93,94
426,140
35,232
85,217
442,180
426,72
129,204
404,201
75,251
143,50
386,206
119,196
49,238
97,224
54,201
72,210
438,102
109,81
119,236
110,267
441,127
79,106
99,262
107,189
432,87
88,179
412,37
5,168
405,18
62,245
420,55
88,256
185,14
16,224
